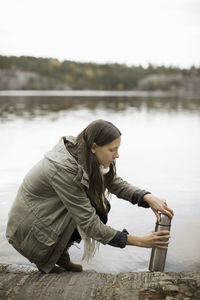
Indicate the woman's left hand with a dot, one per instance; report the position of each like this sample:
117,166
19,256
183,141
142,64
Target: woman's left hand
158,205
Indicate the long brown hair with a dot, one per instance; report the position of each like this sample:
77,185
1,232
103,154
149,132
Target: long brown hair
100,132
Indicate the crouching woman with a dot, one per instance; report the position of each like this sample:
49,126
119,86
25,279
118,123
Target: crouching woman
62,199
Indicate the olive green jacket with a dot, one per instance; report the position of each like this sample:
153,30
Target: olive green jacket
51,202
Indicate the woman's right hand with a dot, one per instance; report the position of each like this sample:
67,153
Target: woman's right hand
158,239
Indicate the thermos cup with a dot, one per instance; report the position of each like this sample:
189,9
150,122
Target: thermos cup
158,256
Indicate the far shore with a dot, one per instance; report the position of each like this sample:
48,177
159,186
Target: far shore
98,93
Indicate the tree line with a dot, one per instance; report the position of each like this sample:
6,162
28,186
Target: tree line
76,75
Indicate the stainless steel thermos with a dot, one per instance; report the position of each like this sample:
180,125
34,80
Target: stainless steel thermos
158,256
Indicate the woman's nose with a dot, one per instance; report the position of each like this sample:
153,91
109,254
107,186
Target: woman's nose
117,154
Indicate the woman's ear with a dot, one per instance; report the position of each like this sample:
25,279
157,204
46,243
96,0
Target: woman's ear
93,149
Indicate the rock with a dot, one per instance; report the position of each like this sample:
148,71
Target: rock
23,282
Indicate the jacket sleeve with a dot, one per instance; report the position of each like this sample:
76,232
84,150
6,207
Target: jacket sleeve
120,239
126,191
79,207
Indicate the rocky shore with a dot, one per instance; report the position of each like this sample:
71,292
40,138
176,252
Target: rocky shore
22,282
109,81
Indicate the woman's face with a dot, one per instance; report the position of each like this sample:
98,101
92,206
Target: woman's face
108,153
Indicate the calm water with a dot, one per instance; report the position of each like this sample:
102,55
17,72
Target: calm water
160,152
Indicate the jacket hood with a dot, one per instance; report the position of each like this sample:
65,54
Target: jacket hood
59,154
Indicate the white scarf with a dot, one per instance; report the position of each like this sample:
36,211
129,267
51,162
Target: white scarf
104,170
91,245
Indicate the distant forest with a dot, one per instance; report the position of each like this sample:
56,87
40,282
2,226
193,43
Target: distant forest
49,73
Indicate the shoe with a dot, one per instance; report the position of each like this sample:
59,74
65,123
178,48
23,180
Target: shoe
65,262
55,269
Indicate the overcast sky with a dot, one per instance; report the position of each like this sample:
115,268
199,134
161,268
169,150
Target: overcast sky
124,31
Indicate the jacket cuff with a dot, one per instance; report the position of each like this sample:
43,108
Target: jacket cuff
137,197
120,239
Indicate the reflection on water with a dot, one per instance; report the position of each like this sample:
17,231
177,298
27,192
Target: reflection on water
159,152
39,106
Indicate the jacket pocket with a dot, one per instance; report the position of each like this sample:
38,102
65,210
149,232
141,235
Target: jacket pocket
38,243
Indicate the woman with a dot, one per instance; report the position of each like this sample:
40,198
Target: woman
62,200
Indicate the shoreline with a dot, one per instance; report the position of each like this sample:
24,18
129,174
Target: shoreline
100,93
23,282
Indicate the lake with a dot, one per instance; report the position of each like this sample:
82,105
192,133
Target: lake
160,152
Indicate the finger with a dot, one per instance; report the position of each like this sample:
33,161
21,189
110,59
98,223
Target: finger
170,210
162,244
169,214
157,215
161,247
167,211
165,206
163,232
163,238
